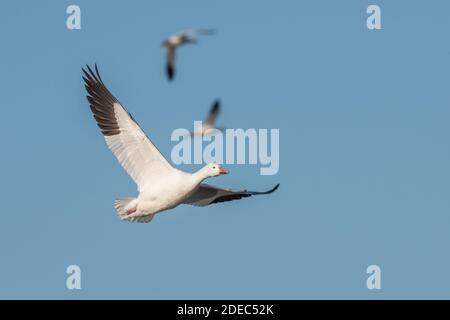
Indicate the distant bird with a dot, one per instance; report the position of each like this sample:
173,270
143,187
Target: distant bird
209,124
177,40
161,186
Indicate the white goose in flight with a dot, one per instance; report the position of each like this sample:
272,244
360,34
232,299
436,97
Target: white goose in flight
161,186
209,124
176,40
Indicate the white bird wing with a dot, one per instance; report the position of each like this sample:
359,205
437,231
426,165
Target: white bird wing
206,195
134,150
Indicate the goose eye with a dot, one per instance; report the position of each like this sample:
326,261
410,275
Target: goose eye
214,167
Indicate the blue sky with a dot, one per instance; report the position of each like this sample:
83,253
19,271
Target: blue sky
364,149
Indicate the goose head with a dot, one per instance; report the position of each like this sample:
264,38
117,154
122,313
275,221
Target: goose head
214,170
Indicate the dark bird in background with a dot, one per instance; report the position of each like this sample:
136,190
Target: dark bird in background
208,125
177,40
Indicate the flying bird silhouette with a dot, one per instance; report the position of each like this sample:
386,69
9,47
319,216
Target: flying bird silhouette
208,125
173,42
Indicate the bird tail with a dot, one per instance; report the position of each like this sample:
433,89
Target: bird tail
125,206
127,210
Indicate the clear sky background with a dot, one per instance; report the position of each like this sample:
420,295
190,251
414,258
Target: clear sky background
364,153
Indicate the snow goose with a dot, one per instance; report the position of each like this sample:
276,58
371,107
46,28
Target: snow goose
209,124
160,186
176,40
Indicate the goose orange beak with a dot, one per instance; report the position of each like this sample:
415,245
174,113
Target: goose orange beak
223,171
